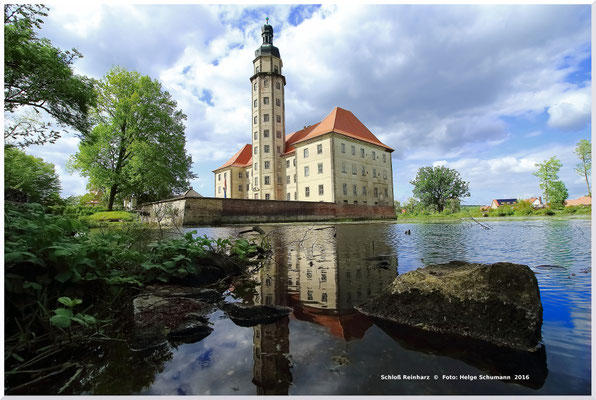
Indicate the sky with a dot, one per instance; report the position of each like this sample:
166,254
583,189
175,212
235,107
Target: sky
487,90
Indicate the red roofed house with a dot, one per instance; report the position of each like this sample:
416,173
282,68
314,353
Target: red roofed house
582,201
335,160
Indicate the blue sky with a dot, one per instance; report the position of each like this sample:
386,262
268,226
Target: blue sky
487,90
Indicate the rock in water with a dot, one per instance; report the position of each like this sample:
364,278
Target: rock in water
498,303
250,315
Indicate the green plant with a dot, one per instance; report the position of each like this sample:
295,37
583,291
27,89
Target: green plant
64,317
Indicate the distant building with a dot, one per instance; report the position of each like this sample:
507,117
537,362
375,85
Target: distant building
582,201
536,202
191,193
502,202
337,160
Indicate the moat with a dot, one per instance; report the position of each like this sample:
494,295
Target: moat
325,347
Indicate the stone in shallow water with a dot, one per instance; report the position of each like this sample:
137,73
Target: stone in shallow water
207,295
498,303
158,318
250,315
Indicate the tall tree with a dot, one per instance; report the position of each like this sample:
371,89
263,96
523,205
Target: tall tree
553,188
584,167
31,176
39,76
435,186
137,147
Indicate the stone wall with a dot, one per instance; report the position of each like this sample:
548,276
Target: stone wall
213,211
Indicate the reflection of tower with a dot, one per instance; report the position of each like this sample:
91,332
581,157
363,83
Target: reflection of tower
271,342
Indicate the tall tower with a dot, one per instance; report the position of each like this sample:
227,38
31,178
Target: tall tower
268,120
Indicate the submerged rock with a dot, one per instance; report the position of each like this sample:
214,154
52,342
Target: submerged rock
157,318
498,303
206,295
249,315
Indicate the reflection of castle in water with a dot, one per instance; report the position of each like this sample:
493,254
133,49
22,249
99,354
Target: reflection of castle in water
321,273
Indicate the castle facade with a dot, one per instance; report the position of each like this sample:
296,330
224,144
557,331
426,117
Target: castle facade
337,160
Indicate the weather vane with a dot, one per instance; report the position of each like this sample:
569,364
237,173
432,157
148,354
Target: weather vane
267,19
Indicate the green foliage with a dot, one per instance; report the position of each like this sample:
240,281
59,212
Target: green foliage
39,76
583,151
552,187
64,317
435,186
32,176
138,146
110,216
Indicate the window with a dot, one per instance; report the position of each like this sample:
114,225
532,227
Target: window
354,169
255,120
248,174
255,86
362,153
267,164
355,190
363,171
294,161
345,187
277,85
265,100
266,148
386,193
256,135
306,171
278,102
376,192
279,179
307,191
266,133
287,178
267,180
256,150
240,174
256,165
353,150
275,69
278,134
266,82
343,147
374,172
265,117
320,168
278,118
305,153
343,167
247,187
309,294
319,149
255,103
219,189
385,174
294,178
278,150
364,190
321,190
256,196
256,181
239,188
324,297
295,195
267,196
288,198
374,155
257,69
323,277
287,163
219,177
384,158
355,201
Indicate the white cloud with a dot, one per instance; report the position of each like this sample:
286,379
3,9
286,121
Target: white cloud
572,111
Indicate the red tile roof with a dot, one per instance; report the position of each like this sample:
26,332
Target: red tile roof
243,158
339,121
343,122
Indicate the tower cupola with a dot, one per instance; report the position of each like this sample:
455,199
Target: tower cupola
267,48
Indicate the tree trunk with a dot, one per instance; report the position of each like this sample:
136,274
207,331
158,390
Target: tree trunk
587,181
113,191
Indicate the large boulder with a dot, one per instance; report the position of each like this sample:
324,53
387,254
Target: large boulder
158,319
497,303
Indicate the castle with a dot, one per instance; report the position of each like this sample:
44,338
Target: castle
336,160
